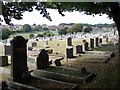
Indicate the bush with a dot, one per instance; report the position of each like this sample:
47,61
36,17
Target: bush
31,35
39,35
5,33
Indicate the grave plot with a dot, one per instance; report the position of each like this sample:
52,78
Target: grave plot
64,74
34,83
96,56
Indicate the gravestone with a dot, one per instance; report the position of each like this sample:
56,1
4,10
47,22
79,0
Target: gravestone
86,46
91,43
97,42
19,67
69,41
46,42
7,50
100,40
79,49
106,39
30,48
69,52
42,59
57,62
3,61
34,44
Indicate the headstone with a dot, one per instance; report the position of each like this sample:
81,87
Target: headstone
69,41
42,59
57,62
106,39
100,40
18,58
30,48
91,42
46,42
69,52
7,50
97,41
79,49
3,61
34,44
86,46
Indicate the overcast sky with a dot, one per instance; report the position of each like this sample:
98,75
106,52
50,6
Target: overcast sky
73,17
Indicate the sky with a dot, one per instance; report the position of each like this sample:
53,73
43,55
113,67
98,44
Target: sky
70,17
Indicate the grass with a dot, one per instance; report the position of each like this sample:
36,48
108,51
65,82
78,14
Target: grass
64,71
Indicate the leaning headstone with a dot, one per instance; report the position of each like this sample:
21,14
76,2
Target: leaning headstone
7,50
34,44
3,61
100,40
97,42
69,52
86,46
69,41
79,49
91,43
42,59
19,67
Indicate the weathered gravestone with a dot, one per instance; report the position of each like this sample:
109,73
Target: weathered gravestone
69,52
97,42
79,49
106,39
100,40
69,41
7,50
34,44
86,48
42,59
19,67
3,61
91,42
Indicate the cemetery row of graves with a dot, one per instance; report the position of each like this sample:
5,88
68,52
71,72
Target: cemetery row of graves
42,64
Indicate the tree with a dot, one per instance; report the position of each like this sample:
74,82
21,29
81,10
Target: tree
26,28
5,33
88,29
62,31
75,28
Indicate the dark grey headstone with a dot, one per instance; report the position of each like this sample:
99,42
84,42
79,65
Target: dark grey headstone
7,50
106,39
69,41
30,48
91,43
3,61
57,62
69,52
34,44
97,42
79,49
86,46
42,59
100,40
18,58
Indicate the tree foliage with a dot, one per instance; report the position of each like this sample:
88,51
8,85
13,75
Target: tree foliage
5,33
31,35
62,31
87,29
26,28
75,28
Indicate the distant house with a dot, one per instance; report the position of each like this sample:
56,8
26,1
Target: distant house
53,27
